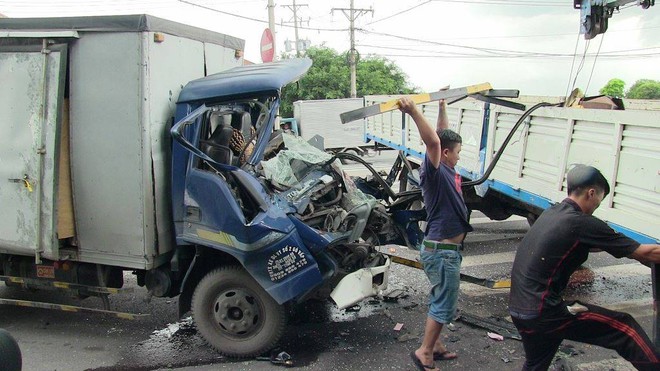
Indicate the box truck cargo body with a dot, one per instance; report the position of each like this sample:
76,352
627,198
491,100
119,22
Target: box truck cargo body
95,95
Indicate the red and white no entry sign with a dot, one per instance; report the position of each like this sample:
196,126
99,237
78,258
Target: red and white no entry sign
267,46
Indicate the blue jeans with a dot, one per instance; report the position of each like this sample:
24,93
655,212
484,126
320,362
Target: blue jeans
443,269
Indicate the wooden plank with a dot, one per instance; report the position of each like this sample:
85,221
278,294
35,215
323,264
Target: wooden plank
65,220
393,104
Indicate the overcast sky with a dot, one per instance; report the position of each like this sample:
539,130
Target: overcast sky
513,44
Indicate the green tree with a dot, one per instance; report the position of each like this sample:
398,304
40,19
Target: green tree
644,89
329,78
614,88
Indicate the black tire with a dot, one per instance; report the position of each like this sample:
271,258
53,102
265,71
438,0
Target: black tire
10,353
235,315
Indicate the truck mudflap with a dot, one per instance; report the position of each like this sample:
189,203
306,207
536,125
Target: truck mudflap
361,284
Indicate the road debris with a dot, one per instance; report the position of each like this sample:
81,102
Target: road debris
278,358
502,327
394,296
495,336
406,337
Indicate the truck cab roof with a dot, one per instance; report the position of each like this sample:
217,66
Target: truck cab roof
255,78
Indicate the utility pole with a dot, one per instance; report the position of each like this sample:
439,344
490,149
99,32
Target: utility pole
271,24
294,8
352,14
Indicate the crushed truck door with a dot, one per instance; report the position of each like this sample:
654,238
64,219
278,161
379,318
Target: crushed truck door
33,78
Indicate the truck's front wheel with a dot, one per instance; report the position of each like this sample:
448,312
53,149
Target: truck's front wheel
235,314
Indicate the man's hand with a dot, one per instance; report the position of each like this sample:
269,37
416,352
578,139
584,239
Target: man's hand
426,132
406,105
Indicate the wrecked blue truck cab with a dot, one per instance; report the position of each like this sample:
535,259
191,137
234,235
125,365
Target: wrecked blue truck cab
273,220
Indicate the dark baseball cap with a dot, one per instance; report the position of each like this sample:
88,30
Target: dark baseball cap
582,176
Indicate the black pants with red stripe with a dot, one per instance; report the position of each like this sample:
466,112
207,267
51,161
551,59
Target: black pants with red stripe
542,336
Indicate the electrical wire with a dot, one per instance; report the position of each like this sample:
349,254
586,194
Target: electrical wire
506,2
486,50
440,53
532,57
494,53
261,20
400,12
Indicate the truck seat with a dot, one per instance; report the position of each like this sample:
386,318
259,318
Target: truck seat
217,145
242,121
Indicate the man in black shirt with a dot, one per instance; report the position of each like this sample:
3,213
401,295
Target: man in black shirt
555,246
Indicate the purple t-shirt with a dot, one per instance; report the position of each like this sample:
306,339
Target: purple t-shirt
446,213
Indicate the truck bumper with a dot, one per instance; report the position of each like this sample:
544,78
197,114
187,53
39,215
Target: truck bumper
361,284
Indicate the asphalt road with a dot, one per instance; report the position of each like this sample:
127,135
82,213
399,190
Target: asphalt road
319,336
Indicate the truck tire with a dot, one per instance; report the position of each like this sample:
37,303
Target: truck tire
10,353
235,315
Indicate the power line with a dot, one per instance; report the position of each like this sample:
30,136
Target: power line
534,54
507,2
486,50
223,12
261,20
490,51
400,12
543,58
352,14
544,35
294,8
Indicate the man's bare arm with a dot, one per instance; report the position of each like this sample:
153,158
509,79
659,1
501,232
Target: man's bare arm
647,254
426,132
443,120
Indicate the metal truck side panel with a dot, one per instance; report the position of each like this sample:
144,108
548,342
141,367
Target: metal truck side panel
619,143
386,126
31,96
107,147
219,58
467,120
162,86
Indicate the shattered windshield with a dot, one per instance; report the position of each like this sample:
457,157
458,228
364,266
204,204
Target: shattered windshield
291,166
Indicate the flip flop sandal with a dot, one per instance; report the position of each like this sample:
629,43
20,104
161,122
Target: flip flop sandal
444,356
419,364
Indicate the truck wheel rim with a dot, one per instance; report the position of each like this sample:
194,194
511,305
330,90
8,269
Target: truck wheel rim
237,313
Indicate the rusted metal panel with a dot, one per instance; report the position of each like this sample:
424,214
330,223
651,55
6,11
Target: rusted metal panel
30,100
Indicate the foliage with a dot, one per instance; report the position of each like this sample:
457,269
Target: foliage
329,78
644,89
614,88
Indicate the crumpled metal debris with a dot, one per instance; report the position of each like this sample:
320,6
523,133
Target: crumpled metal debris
278,358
